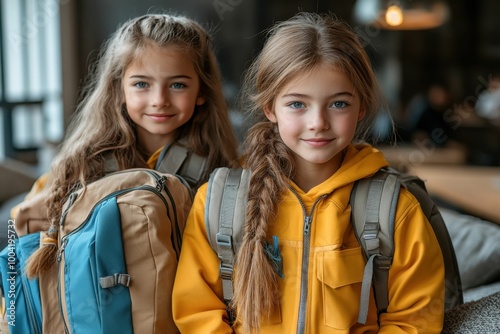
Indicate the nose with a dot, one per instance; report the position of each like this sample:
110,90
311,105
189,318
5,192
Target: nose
318,119
160,98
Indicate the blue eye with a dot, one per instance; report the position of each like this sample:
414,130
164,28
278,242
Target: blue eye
178,85
296,105
141,85
339,104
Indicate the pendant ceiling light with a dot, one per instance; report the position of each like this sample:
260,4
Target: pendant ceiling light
401,15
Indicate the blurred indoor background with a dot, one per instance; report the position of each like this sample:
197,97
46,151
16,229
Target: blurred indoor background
434,59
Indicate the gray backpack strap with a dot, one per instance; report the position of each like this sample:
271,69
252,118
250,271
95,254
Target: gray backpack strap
373,207
177,159
110,164
224,218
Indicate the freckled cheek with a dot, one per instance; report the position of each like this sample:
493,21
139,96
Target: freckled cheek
187,105
134,101
345,125
289,131
133,96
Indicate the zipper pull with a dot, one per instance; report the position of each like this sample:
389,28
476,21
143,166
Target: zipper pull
64,242
161,182
71,200
307,225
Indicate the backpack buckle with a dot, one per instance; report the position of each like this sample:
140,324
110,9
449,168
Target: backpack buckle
371,230
383,262
226,271
114,280
224,240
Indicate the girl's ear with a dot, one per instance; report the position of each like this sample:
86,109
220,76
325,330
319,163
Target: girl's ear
270,114
200,100
362,114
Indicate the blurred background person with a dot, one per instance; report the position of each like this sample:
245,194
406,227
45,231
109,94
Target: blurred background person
488,102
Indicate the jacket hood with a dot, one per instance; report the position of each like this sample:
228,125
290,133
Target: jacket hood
360,161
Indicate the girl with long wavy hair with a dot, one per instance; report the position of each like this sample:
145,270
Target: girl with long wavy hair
315,97
156,82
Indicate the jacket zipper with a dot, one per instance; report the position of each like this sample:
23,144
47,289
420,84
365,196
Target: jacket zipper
304,280
160,185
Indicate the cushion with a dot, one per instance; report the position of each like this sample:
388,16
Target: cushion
481,291
481,316
477,247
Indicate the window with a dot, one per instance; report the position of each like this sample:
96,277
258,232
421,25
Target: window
30,77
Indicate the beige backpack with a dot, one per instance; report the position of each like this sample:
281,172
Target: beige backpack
112,283
119,243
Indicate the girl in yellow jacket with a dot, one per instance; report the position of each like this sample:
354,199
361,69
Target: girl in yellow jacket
314,86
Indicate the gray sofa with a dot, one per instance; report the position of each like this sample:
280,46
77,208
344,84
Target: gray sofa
477,247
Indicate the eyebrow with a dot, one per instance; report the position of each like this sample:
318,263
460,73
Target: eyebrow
174,77
298,95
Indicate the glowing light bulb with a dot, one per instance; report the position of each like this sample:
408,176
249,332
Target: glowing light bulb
394,15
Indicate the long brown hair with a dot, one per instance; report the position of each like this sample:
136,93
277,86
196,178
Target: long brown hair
293,47
102,126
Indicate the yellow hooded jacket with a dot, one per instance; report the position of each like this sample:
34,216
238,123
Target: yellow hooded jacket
322,264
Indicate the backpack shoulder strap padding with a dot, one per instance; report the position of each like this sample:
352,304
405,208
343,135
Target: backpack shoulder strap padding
373,203
373,207
365,197
177,159
225,216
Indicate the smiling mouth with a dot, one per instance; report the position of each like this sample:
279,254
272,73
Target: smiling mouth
318,142
160,117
